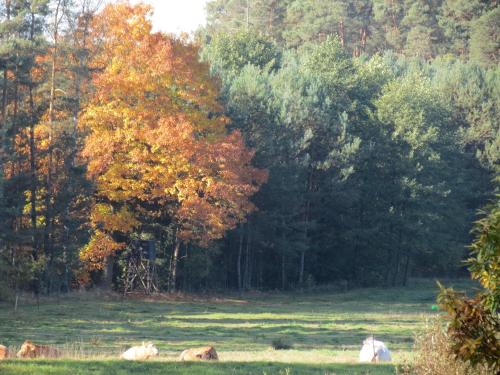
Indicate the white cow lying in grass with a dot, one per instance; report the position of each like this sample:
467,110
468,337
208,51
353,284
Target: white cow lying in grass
140,353
374,351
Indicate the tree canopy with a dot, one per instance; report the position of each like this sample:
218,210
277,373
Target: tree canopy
286,144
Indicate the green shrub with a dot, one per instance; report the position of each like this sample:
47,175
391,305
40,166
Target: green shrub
472,328
434,355
280,344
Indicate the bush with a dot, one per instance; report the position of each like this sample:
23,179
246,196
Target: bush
472,328
280,344
473,323
434,355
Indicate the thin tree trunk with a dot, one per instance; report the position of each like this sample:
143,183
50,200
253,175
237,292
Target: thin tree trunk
246,279
250,262
406,271
4,97
309,188
393,16
16,91
364,36
247,11
5,78
302,263
175,258
270,19
389,258
32,147
186,273
48,203
398,256
283,270
342,33
49,193
107,280
238,261
86,14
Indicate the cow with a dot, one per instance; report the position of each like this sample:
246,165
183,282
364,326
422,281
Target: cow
205,353
140,353
374,351
31,350
4,352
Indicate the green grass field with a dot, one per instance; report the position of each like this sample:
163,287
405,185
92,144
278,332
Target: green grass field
325,329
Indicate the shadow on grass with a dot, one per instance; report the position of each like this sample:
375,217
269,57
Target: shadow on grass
60,367
320,321
226,334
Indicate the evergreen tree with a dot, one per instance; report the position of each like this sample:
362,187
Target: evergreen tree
389,14
263,16
422,31
456,19
485,39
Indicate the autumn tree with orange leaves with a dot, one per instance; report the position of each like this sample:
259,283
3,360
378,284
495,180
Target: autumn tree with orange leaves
158,149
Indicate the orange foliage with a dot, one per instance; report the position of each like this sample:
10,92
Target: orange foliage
157,135
99,247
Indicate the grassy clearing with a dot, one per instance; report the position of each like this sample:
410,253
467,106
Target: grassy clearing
324,328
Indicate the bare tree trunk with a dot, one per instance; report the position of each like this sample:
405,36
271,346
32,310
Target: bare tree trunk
395,26
364,36
342,32
4,97
5,78
238,261
32,147
49,193
406,271
309,188
302,262
107,280
247,12
270,19
48,203
283,270
86,14
250,262
356,259
398,255
246,279
175,258
389,258
16,91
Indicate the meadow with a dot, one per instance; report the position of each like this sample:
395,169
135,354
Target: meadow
325,329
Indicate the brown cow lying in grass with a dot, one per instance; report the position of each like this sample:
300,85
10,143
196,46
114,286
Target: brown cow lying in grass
4,352
195,354
30,350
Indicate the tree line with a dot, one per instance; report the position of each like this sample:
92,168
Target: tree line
426,29
290,144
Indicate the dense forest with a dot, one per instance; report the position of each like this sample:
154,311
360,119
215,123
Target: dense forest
287,144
